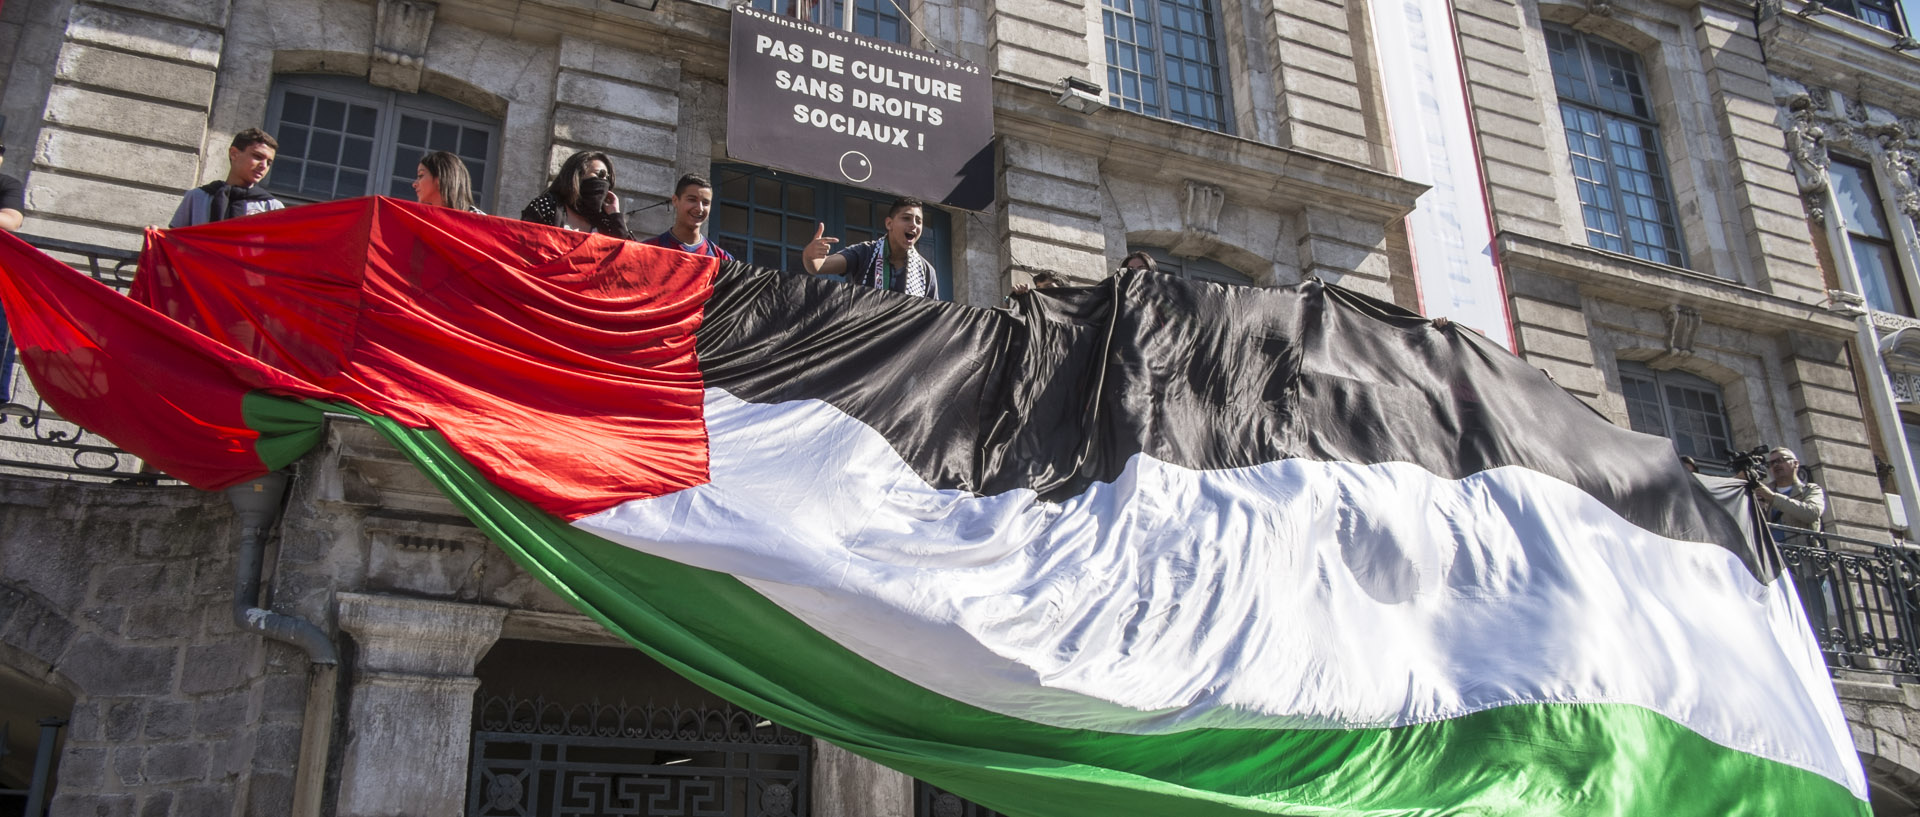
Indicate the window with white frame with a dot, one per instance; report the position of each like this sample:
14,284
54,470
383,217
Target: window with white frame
1625,199
1194,269
1684,408
340,137
1869,237
879,19
1164,59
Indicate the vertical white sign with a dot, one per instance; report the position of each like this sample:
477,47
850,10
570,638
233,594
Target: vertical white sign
1451,228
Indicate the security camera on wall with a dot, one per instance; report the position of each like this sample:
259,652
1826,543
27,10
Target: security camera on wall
1077,94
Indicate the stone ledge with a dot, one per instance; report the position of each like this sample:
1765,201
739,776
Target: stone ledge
1160,151
1624,279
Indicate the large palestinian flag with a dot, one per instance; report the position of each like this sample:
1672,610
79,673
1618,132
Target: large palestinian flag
1147,548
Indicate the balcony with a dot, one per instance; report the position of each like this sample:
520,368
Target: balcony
33,438
1860,596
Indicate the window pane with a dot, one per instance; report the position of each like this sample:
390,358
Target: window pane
1913,440
413,130
357,153
324,147
297,109
362,121
1626,201
1643,404
1858,199
330,114
1164,50
446,136
1885,288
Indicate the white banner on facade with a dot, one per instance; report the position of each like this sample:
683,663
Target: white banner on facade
1450,228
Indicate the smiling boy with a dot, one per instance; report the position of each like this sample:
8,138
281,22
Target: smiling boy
692,204
890,262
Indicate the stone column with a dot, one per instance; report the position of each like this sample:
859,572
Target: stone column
1050,215
1345,249
409,727
848,785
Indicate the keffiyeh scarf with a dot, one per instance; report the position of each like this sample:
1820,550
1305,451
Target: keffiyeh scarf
920,280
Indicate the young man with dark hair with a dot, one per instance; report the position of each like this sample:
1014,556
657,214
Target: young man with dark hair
889,262
248,160
692,203
13,206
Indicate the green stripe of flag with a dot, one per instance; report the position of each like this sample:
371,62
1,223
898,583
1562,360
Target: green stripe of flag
288,428
1558,759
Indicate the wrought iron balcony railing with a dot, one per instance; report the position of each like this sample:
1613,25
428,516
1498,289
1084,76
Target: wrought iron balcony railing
1862,598
33,438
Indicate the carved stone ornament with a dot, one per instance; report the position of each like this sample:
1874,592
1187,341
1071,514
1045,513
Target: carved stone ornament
1890,322
1816,204
1900,353
1807,148
400,31
1898,165
1683,322
1200,218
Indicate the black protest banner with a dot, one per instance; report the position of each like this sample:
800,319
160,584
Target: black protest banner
833,105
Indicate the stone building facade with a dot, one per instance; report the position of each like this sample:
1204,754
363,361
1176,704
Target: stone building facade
1691,251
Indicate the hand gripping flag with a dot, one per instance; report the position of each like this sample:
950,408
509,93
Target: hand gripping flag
1147,548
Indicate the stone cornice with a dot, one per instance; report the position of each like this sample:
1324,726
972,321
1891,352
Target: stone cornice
1168,152
1628,280
1839,52
693,33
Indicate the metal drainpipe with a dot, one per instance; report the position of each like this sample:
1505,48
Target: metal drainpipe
255,503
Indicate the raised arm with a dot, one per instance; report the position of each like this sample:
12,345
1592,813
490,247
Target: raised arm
815,258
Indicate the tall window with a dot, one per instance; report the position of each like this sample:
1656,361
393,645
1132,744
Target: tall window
1163,60
1624,196
1869,237
340,138
1194,269
1681,407
879,19
767,218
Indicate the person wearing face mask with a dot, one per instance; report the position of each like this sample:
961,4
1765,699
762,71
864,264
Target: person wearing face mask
581,198
692,203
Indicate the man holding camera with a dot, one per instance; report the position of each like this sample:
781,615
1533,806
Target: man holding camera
1794,503
1788,500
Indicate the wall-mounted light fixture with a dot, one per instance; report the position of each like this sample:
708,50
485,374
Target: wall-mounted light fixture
1077,94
